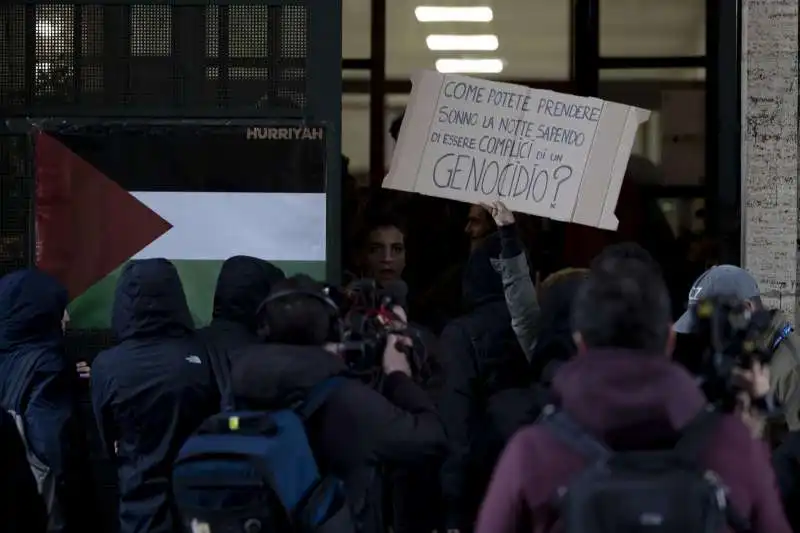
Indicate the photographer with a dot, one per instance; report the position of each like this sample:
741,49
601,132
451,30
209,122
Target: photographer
358,428
778,339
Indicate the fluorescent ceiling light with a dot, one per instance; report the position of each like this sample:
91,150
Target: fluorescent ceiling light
454,14
463,42
475,66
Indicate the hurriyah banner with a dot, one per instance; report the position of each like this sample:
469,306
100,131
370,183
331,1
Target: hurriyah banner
544,153
195,195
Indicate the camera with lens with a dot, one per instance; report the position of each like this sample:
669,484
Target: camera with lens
730,334
368,318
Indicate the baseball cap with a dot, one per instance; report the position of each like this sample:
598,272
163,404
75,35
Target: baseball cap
719,281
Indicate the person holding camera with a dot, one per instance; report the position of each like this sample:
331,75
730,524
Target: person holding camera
779,339
633,444
358,428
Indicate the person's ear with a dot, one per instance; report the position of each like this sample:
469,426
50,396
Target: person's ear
671,339
750,305
577,338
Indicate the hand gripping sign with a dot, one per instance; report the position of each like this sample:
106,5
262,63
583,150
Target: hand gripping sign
540,152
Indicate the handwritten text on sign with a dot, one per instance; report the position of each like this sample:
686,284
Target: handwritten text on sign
475,140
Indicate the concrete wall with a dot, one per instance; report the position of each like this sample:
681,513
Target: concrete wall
769,148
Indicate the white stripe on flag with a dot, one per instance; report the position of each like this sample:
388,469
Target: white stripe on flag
274,226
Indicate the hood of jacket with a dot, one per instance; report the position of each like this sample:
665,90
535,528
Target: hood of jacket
480,282
629,399
149,301
32,306
275,376
243,283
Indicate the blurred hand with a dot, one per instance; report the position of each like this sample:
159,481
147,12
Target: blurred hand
400,317
754,381
84,370
500,213
394,360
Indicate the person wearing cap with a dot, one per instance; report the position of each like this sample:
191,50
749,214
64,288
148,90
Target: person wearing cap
729,281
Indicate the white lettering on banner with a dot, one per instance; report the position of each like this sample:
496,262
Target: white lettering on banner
285,134
543,153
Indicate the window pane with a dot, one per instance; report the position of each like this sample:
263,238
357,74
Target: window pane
683,136
355,132
356,28
533,38
674,136
647,28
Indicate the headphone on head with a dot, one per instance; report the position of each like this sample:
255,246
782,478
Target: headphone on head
335,327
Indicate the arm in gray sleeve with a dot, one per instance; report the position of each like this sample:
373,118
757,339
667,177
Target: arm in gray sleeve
520,295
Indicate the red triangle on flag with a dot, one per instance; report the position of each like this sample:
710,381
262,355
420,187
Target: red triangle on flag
86,224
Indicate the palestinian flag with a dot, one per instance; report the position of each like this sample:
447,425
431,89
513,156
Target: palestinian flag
192,193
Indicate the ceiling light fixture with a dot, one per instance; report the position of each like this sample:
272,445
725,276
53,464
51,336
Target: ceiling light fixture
470,43
472,66
454,14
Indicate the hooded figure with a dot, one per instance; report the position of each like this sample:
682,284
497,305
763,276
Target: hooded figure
40,386
481,358
243,283
150,392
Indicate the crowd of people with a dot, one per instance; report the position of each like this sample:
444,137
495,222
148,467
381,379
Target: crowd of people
570,403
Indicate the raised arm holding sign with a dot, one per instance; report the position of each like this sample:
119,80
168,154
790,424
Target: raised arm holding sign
540,152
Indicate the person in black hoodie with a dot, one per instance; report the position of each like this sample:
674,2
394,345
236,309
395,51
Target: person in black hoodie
482,358
39,386
243,283
150,391
358,429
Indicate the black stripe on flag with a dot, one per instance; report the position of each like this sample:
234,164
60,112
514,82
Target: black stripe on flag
203,157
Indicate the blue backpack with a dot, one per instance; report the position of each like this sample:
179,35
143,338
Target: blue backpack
254,472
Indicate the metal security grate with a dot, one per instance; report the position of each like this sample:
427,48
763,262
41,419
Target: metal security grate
12,56
55,49
16,203
258,52
139,58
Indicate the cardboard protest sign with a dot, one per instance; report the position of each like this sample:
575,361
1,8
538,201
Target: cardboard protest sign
540,152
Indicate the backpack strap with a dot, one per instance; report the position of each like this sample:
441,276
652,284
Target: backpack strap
220,366
317,396
569,431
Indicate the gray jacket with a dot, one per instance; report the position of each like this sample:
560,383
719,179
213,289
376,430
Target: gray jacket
520,295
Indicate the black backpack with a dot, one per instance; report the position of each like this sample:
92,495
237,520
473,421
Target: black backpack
653,491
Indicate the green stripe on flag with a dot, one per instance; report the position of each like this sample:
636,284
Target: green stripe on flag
92,310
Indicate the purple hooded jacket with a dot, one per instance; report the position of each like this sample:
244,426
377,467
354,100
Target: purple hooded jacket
630,401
